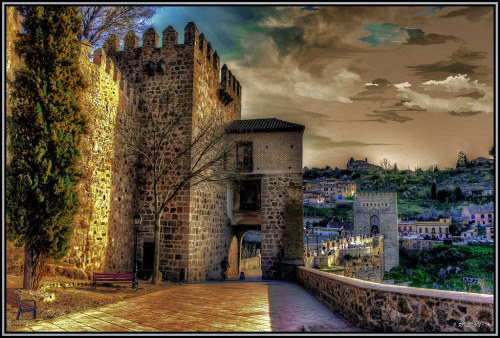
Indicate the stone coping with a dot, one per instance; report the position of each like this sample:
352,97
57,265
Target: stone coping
443,294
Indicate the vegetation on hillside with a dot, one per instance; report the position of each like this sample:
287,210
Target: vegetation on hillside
445,267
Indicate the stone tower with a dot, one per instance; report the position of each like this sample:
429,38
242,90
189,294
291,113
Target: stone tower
195,236
377,213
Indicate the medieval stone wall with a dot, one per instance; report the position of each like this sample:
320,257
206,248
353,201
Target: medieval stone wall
195,235
390,308
380,208
210,233
103,236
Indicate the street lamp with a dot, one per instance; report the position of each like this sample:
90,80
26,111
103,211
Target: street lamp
137,223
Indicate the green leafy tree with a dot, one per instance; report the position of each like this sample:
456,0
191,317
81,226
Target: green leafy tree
492,151
45,131
462,160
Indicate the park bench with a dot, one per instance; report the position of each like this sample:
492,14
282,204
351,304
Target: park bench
124,277
14,299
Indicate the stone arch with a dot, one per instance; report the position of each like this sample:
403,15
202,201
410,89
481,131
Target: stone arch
244,261
374,225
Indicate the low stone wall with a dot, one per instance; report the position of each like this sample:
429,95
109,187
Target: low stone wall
391,308
418,244
250,264
367,268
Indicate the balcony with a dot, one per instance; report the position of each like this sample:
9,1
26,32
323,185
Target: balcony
247,217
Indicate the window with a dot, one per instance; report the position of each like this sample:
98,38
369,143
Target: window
482,215
244,156
250,195
473,216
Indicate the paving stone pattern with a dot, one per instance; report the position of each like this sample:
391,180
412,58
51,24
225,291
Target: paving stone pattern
231,306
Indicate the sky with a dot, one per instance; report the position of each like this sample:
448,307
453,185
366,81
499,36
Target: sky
412,84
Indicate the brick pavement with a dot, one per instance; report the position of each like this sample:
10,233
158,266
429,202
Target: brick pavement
252,305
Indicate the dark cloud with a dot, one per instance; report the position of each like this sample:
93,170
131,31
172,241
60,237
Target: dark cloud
389,116
473,95
464,114
430,39
319,142
460,62
472,13
287,39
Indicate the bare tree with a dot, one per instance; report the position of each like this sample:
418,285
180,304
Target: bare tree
386,164
178,150
101,21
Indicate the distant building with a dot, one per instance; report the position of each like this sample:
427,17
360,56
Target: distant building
440,229
482,161
337,189
469,234
478,215
313,197
354,165
407,228
490,232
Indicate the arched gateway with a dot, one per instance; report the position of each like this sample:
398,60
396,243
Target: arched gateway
265,193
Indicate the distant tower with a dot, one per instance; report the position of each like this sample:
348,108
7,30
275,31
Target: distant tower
377,213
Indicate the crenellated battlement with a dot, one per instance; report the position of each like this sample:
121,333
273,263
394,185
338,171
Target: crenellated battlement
375,195
104,66
195,53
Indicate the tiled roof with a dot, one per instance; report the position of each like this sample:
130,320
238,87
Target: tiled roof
474,209
262,125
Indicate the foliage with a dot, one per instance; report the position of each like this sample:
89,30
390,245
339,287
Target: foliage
45,131
99,22
445,266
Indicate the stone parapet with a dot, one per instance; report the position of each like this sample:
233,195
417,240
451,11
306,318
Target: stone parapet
391,308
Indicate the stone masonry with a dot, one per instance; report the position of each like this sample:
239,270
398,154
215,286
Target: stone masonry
378,213
195,235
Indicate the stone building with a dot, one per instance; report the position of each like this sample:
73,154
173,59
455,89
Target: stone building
377,213
126,87
265,193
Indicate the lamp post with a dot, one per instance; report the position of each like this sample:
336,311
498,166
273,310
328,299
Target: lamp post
137,223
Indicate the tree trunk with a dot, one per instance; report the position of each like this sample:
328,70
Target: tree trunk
28,267
156,276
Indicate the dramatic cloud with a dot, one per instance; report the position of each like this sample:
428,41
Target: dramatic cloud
389,34
472,13
454,84
318,142
457,105
430,39
462,61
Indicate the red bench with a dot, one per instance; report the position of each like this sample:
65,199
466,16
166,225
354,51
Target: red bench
14,299
124,277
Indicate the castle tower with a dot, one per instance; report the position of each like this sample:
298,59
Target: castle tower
195,235
377,213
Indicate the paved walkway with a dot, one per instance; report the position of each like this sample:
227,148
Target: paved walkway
252,305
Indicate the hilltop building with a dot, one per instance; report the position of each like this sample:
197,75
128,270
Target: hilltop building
354,165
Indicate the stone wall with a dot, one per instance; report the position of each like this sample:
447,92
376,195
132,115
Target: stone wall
103,237
250,264
123,85
369,268
274,191
417,244
390,308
